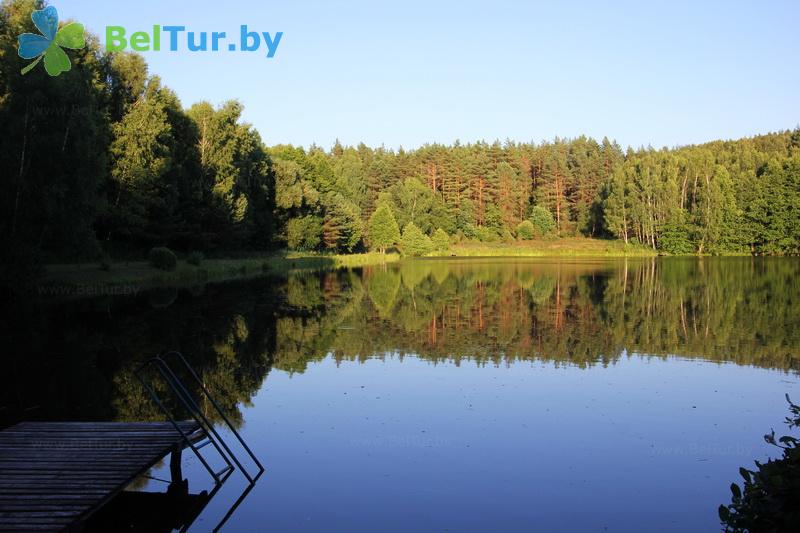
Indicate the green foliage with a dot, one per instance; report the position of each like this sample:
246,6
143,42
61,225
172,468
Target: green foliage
440,240
413,201
304,233
542,221
525,230
414,242
195,258
675,239
383,229
108,154
162,258
768,499
141,156
237,171
54,134
485,234
342,225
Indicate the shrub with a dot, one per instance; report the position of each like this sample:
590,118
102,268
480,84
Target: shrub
525,230
767,501
162,258
675,239
542,221
484,234
440,240
414,242
304,233
195,258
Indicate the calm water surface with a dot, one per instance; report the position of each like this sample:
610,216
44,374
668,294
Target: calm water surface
451,395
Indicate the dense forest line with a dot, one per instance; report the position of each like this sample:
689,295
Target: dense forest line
106,160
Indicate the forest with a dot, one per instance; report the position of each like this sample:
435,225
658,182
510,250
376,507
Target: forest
106,160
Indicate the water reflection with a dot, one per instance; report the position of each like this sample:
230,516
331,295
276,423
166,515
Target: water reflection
74,360
582,313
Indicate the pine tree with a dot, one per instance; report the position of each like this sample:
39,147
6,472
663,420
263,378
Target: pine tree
415,243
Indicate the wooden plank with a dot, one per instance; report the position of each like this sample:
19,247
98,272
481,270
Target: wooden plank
53,474
44,508
99,425
75,498
77,430
56,520
80,455
26,527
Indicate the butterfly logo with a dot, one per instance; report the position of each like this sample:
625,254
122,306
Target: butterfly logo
49,44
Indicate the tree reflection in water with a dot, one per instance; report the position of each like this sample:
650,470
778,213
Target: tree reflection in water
74,359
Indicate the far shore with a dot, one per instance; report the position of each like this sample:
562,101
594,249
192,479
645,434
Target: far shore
130,277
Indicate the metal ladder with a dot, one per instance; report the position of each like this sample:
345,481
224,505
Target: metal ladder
209,434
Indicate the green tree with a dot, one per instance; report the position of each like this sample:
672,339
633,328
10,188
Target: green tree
414,242
542,221
237,170
141,157
525,230
54,135
383,229
342,226
440,240
304,233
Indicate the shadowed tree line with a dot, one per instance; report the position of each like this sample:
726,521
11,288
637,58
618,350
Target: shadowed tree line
104,158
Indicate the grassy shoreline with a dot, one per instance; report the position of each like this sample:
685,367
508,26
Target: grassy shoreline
130,277
566,247
126,277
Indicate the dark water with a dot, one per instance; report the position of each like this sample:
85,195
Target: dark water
450,395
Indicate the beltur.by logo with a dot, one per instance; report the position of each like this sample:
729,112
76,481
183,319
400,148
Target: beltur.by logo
49,45
173,37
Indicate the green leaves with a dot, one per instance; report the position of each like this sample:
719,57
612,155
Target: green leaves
768,498
414,242
383,229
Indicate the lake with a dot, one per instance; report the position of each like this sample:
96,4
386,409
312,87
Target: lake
450,395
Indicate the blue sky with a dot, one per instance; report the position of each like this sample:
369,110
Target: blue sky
410,72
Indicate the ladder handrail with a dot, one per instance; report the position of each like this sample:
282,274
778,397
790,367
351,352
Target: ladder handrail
166,411
177,386
182,390
217,407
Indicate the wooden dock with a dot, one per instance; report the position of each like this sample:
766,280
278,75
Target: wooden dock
54,475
